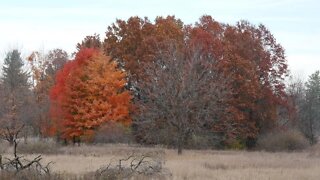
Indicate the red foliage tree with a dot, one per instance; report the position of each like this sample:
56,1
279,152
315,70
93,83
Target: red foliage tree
89,91
254,64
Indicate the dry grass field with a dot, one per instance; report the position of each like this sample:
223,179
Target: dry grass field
195,164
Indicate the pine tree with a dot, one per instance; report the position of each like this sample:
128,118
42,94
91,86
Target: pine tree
310,120
15,95
13,75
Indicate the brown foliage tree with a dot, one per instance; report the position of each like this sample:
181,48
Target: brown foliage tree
134,43
255,66
248,57
43,70
90,42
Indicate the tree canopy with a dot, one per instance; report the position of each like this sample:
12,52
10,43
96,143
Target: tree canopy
89,91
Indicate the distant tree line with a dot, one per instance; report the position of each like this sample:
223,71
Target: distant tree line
206,85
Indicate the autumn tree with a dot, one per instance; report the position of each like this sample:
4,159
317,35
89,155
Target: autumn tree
90,42
135,43
15,91
256,67
248,56
89,92
183,96
56,59
310,114
123,40
43,70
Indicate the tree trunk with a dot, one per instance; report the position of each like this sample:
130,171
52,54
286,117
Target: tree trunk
179,149
25,137
74,140
180,144
40,133
10,140
311,133
65,141
1,166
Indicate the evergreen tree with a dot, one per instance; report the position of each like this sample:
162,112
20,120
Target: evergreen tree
310,116
16,94
13,75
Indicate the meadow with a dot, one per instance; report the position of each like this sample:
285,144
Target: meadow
77,161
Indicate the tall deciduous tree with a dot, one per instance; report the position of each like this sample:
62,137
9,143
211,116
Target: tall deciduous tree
184,95
296,91
89,91
247,55
56,59
16,93
256,67
43,70
134,43
90,42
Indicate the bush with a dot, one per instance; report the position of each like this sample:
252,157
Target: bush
235,144
46,146
28,175
113,133
314,151
289,140
203,140
31,174
134,166
3,147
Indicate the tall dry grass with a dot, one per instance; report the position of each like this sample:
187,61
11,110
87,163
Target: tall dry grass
3,146
196,164
289,140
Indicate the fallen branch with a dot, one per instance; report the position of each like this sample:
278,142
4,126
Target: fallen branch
134,164
18,163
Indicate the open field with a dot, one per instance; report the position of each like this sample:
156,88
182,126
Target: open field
196,164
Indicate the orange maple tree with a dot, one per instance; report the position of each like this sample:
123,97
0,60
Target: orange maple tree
89,91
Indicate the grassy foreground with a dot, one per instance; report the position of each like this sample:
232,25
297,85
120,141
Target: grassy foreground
194,164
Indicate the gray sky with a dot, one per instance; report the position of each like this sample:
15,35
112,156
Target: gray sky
38,24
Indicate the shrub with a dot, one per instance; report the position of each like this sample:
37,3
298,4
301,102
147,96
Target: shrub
29,174
314,151
134,166
203,140
3,147
46,146
289,140
235,144
113,133
19,167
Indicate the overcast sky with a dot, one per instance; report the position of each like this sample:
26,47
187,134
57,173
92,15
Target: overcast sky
38,24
